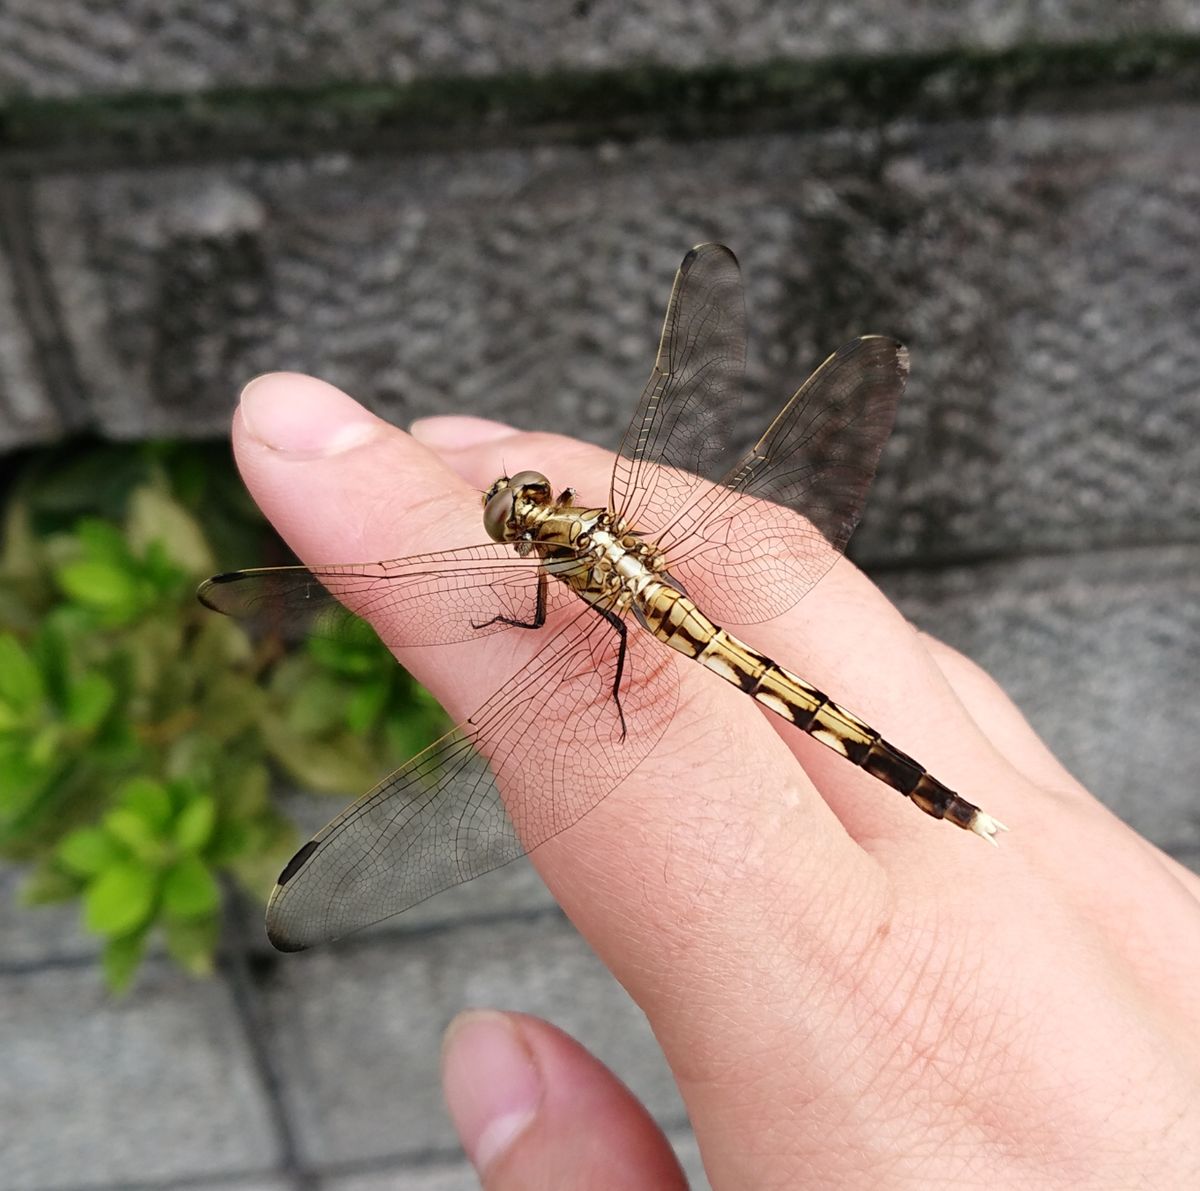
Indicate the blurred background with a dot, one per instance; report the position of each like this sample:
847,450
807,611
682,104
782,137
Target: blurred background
479,207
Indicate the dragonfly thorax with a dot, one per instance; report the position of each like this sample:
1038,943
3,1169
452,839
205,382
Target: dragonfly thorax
591,550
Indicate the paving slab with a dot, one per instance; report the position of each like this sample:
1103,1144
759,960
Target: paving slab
1039,268
32,935
441,1176
251,1183
688,1153
97,1092
356,1030
1101,653
89,48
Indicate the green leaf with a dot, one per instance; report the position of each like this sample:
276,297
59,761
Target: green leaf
54,656
103,585
47,886
407,735
89,699
69,630
366,703
346,645
190,890
194,824
24,783
122,958
45,744
120,900
161,575
102,541
192,943
219,646
252,789
340,766
134,832
20,553
89,851
229,704
149,799
154,516
316,705
20,683
229,841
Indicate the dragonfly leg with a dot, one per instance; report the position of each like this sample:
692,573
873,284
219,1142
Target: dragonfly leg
539,612
623,633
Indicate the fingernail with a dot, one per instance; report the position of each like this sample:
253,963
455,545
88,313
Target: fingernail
457,433
304,417
491,1082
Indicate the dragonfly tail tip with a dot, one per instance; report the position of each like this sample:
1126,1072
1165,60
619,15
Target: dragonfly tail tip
984,825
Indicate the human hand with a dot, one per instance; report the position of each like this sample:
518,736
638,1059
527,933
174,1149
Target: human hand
848,993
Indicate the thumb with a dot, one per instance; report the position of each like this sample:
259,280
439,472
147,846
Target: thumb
534,1110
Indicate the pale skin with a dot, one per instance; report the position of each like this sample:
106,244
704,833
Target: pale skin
849,994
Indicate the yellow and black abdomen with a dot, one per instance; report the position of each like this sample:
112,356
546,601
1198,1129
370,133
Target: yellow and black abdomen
674,619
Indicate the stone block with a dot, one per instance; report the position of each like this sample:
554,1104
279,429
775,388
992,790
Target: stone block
356,1029
86,49
30,936
1039,268
97,1092
1101,653
27,413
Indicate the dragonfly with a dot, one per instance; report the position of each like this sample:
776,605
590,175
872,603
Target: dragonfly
687,542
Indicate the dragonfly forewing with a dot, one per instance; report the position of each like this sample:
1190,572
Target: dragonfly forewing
533,760
439,598
680,435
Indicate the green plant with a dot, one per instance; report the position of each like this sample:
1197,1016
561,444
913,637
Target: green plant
137,729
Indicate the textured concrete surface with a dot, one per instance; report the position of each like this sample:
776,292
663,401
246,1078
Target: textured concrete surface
52,935
353,1019
89,47
26,413
94,1093
1039,269
1101,652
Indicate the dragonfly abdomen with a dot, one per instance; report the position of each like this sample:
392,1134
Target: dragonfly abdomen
676,620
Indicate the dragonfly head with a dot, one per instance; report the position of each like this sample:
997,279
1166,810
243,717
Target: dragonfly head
503,500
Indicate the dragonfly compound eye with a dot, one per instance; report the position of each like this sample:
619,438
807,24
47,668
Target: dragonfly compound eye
497,512
532,479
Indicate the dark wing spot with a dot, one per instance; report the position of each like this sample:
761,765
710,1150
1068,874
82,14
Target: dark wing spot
215,580
297,862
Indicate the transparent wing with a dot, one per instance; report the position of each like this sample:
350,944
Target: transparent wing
425,599
680,433
739,547
541,753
